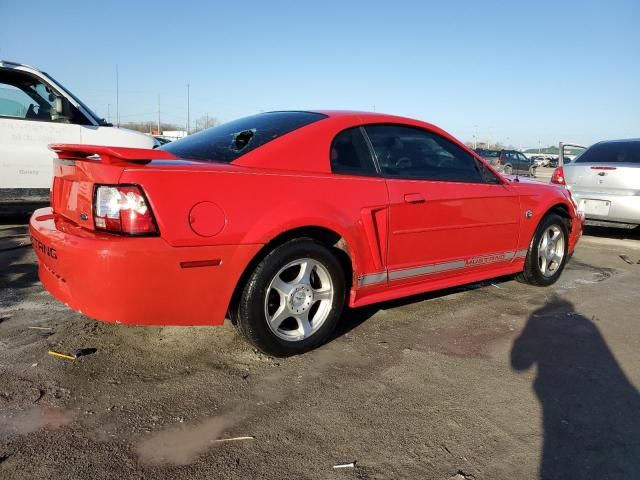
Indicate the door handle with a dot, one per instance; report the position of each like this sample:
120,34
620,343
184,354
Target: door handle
414,198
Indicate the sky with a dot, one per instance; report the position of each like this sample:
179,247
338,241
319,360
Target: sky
522,73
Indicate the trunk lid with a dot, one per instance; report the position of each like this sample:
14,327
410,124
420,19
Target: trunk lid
608,178
79,168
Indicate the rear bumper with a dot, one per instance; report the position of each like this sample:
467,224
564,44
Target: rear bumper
135,280
623,209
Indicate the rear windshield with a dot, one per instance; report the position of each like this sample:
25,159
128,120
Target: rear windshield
611,152
229,141
487,153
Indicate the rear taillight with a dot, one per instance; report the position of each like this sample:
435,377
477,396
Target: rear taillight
122,209
558,176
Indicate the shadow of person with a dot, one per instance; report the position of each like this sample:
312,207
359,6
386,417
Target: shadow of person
591,412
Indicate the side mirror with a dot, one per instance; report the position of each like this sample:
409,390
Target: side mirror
59,106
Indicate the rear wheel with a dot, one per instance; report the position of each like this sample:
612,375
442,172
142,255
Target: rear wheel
547,254
507,170
293,299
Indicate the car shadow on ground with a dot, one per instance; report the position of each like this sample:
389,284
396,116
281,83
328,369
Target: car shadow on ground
16,276
354,317
612,232
591,411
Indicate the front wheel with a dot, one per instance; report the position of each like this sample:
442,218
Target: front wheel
547,254
293,299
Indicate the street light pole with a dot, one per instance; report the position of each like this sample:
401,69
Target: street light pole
188,112
117,97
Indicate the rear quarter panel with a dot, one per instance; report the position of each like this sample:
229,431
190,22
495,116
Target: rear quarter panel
258,206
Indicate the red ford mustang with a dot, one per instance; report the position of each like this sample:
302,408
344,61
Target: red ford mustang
280,219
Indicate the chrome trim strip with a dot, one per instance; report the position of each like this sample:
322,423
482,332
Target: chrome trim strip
372,278
426,270
454,265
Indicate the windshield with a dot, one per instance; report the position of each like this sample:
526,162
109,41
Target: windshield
612,152
229,141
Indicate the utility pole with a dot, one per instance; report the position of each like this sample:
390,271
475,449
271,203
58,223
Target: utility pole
206,125
117,97
159,132
188,112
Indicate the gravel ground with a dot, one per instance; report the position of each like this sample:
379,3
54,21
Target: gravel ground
497,380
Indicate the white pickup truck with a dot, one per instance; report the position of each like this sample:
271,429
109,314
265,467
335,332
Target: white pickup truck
35,111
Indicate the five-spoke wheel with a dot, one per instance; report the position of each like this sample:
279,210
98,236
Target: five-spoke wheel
547,252
298,299
292,299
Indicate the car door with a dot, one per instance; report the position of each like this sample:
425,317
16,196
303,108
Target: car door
28,123
448,213
523,163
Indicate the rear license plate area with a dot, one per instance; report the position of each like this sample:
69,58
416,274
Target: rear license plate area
595,207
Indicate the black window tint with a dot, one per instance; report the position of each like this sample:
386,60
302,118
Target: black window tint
350,154
611,152
229,141
408,152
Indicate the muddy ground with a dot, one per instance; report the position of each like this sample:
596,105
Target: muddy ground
497,380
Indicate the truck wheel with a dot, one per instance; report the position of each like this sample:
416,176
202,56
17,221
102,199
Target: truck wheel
547,254
293,299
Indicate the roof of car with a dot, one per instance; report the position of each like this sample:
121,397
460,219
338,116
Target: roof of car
622,140
7,63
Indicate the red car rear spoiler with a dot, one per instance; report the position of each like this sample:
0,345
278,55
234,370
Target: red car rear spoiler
109,155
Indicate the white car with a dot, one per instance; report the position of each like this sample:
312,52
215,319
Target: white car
35,111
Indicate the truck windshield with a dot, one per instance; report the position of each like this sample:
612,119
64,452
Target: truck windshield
229,141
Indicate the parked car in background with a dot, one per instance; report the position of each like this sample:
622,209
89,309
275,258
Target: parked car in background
35,111
490,156
280,219
162,140
513,162
605,181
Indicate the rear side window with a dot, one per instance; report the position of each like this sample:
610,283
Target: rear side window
408,152
230,141
350,154
611,152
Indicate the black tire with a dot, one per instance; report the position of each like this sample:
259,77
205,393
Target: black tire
507,170
250,317
532,272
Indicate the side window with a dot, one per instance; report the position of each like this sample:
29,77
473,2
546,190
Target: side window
25,97
350,154
407,152
14,102
523,158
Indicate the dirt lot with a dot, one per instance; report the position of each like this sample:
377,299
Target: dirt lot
493,381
